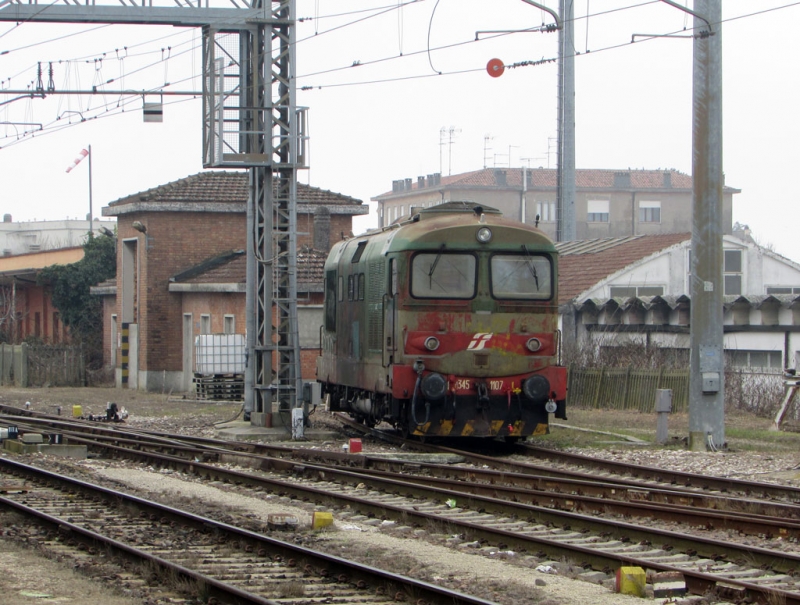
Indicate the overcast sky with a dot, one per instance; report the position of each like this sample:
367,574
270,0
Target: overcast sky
400,89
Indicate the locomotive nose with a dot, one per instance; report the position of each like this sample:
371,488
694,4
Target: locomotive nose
536,388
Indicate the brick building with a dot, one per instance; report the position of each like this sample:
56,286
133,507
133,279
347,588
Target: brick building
608,203
181,266
26,308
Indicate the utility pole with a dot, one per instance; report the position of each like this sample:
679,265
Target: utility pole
565,170
707,376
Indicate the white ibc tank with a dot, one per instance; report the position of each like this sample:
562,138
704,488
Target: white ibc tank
219,354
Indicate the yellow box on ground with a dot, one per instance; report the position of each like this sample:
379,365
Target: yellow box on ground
631,580
320,520
77,411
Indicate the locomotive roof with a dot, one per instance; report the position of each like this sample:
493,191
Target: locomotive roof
455,206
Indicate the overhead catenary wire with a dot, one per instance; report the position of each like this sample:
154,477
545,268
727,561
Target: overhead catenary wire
524,63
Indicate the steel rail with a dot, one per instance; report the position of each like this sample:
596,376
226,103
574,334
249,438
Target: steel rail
216,589
333,565
650,473
598,560
710,548
563,494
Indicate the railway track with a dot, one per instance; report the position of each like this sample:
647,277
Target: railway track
197,555
422,500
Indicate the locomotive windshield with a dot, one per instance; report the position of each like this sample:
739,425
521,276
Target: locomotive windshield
443,275
522,276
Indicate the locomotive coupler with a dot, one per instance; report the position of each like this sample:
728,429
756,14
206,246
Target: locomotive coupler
483,394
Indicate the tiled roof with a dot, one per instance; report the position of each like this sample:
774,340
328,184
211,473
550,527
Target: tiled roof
226,268
584,263
224,187
232,269
591,179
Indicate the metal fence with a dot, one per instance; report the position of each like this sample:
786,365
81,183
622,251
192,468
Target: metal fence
42,365
626,388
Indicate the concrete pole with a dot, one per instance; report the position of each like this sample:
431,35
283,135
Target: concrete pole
250,304
707,377
565,193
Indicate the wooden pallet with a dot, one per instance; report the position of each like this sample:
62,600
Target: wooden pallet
219,387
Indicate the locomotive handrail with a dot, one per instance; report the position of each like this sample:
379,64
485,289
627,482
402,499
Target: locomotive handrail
384,357
558,347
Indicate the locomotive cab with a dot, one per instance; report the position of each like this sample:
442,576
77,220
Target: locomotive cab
445,325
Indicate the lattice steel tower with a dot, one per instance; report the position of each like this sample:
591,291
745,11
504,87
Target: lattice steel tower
250,120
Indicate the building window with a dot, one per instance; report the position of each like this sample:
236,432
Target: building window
597,211
783,290
229,324
754,359
546,211
649,212
205,323
631,291
733,272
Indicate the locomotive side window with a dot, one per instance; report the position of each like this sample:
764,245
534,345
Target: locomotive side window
341,288
350,287
361,282
518,276
443,275
359,251
330,301
393,273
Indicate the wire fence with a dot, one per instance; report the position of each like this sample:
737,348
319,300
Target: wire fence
626,388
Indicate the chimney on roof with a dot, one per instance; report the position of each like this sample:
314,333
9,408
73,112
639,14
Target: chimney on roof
6,218
622,180
500,178
420,182
408,184
322,229
667,180
397,186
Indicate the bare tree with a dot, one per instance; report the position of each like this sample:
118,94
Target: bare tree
10,317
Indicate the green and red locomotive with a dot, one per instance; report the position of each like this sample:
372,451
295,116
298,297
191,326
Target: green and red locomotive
445,324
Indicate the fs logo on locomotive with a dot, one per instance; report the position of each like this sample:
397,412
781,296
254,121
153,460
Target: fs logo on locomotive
479,341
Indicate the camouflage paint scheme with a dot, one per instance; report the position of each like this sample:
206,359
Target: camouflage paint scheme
375,331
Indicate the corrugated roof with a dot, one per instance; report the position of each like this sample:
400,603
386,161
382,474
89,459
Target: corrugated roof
224,187
584,263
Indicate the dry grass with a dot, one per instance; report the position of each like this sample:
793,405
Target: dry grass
30,579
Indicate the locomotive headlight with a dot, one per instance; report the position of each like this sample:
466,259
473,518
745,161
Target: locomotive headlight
536,388
484,235
433,386
431,343
533,344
